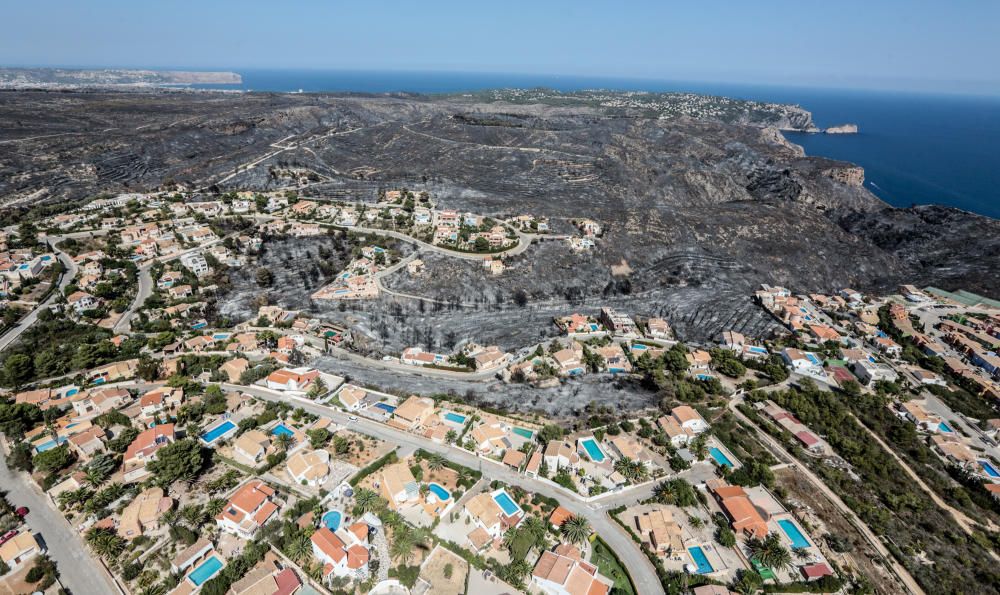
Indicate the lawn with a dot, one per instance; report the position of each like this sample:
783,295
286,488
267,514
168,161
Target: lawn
609,565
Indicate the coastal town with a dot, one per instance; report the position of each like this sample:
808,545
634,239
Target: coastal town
153,444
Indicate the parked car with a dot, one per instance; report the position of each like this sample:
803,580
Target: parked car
22,511
7,536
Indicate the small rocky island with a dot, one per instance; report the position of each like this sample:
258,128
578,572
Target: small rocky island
842,129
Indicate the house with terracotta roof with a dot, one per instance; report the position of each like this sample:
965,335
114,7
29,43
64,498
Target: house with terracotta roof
490,438
698,361
269,577
743,516
683,424
562,571
249,509
292,379
534,464
626,446
658,328
343,553
87,443
143,449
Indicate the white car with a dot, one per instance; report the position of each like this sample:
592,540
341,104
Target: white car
352,417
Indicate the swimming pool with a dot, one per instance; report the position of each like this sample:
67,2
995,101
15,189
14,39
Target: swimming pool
523,432
72,392
281,430
943,427
218,432
331,519
442,494
757,349
720,457
50,444
794,534
199,325
455,418
593,450
385,407
220,336
700,560
989,468
703,376
639,347
812,358
205,571
506,503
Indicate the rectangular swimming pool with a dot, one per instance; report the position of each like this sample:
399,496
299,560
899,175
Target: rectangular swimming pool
205,571
218,431
792,531
720,457
700,560
454,418
506,503
989,468
593,450
523,432
385,407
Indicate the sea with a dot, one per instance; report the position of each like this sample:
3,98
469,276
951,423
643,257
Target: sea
915,148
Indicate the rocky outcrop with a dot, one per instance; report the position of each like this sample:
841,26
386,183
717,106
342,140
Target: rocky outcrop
852,175
842,129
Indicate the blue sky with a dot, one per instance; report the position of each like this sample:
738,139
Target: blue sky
896,44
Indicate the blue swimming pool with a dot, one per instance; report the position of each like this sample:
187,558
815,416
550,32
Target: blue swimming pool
943,427
50,444
700,560
218,431
812,358
523,432
639,347
720,457
205,571
593,450
220,336
331,519
757,349
442,494
989,468
281,430
385,407
794,534
703,376
72,392
506,503
454,418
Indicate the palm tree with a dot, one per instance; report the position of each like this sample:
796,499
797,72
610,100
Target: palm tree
392,519
283,442
661,492
801,553
435,462
169,517
403,543
318,388
535,527
367,500
748,584
451,437
94,477
192,515
214,507
624,467
74,498
299,548
576,529
105,543
770,552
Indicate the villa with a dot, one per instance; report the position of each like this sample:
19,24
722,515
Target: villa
143,513
352,397
562,571
682,424
412,413
19,549
251,446
249,509
485,513
309,468
739,509
143,449
291,379
559,454
343,553
398,486
658,528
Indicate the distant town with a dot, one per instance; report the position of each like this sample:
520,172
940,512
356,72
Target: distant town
177,454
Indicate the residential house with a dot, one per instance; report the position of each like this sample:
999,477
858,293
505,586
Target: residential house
82,301
87,443
19,549
869,372
398,486
739,509
143,513
618,323
249,509
269,577
234,368
310,468
658,528
250,447
563,571
143,449
292,379
343,553
352,397
682,425
485,513
658,328
560,454
413,412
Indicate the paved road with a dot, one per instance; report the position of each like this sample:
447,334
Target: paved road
144,290
12,335
803,469
638,566
77,569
